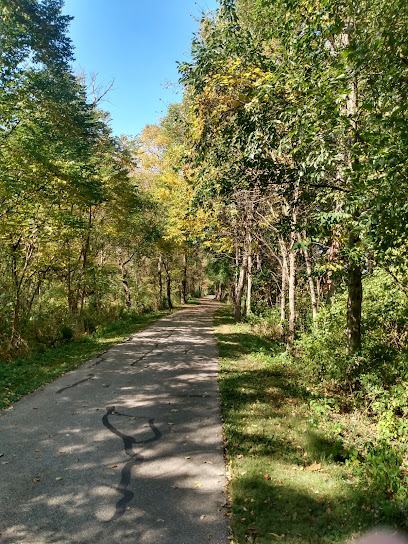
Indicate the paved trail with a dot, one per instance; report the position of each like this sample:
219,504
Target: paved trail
126,449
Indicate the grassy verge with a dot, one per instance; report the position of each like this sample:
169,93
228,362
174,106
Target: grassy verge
296,461
24,375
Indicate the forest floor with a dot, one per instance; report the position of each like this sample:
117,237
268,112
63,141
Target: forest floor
126,447
294,468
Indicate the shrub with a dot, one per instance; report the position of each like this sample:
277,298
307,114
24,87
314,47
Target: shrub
268,324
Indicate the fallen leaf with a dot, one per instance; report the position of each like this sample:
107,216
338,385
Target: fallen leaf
267,477
36,480
239,456
113,466
188,457
59,478
202,517
37,450
276,537
5,462
208,462
197,484
174,487
174,410
243,473
314,467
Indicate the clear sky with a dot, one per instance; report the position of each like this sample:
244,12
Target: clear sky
137,43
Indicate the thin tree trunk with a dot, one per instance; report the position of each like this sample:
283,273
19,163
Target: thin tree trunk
285,274
292,273
292,299
18,282
85,259
354,302
219,292
355,289
309,271
125,285
183,290
249,286
240,287
160,278
168,285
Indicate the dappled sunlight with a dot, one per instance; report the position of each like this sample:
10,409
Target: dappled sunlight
133,435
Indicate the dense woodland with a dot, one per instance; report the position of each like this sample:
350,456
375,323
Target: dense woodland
279,185
279,182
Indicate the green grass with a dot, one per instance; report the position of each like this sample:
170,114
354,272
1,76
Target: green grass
293,456
26,374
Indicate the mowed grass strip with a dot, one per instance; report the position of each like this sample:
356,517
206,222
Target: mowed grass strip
24,375
289,480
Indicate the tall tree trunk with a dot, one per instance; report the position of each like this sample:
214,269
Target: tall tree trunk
160,278
292,298
219,292
18,279
183,290
285,274
354,302
309,271
125,285
292,272
249,286
355,289
240,287
85,252
168,285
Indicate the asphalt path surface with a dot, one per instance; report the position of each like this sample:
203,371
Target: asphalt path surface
127,448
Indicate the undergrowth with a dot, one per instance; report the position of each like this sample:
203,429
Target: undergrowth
306,464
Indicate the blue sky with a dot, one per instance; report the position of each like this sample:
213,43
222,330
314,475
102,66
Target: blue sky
137,43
